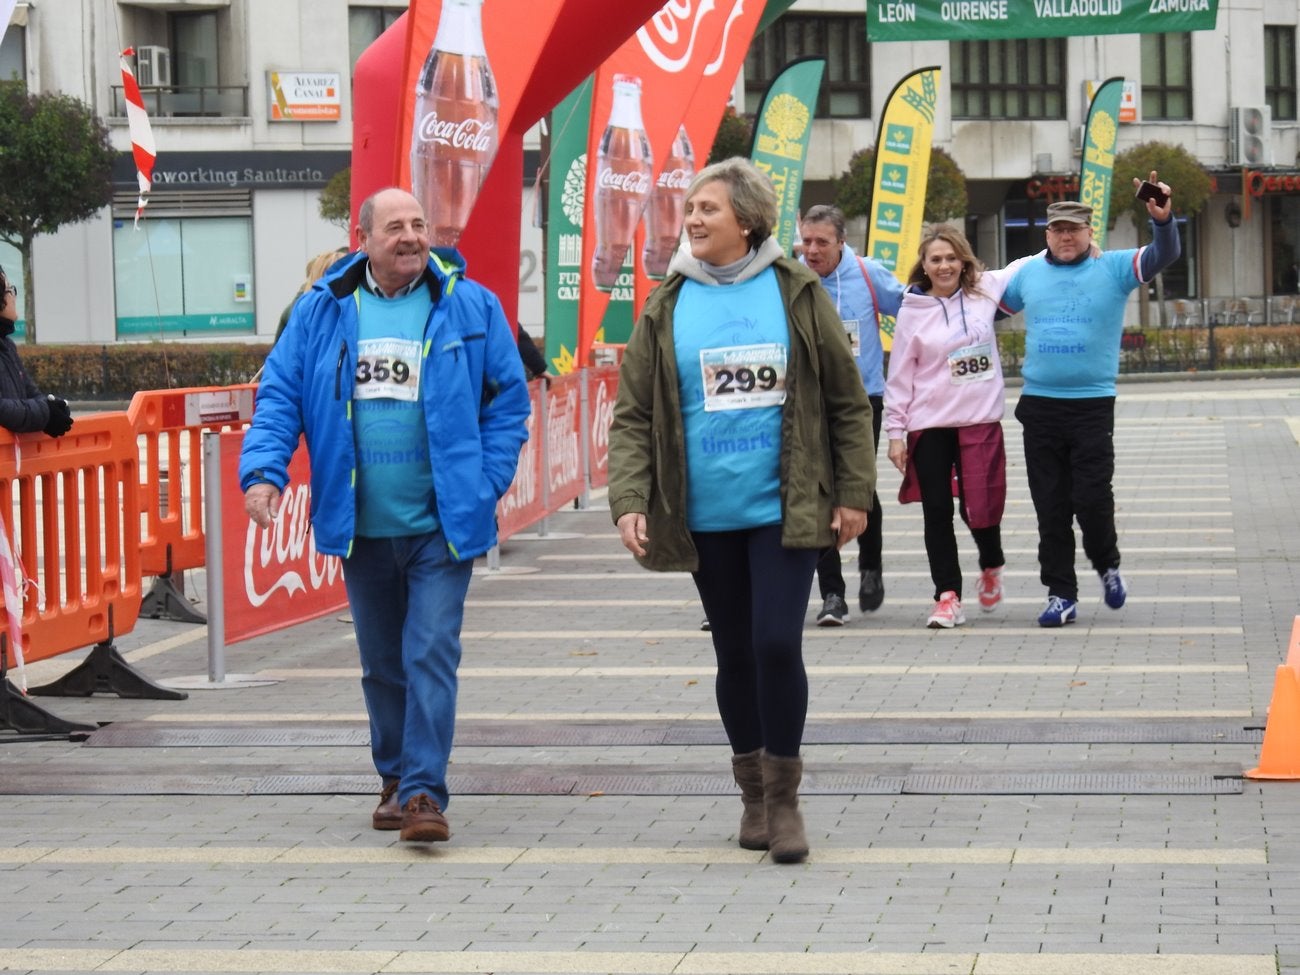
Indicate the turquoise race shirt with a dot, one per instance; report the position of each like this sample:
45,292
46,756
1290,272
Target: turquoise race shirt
732,342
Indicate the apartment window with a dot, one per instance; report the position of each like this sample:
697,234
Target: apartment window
1009,79
1279,71
365,24
13,55
1167,76
841,40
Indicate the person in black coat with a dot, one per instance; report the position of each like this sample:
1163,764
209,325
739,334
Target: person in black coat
23,407
534,361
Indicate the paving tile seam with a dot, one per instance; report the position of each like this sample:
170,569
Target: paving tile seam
813,670
1109,631
754,961
1165,550
825,856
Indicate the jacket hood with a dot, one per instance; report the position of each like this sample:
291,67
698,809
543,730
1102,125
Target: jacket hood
685,264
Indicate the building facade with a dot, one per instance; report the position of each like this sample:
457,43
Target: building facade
250,103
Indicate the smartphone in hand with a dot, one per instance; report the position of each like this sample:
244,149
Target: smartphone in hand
1151,191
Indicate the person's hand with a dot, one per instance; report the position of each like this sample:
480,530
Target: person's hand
60,421
262,502
631,531
848,524
1163,212
898,454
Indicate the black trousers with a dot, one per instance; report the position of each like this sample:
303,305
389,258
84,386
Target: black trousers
755,594
830,569
1070,460
933,458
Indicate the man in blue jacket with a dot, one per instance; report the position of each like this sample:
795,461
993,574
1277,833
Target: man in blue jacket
405,379
1074,305
862,291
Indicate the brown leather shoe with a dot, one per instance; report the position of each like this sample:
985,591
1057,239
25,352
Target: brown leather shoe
423,821
388,814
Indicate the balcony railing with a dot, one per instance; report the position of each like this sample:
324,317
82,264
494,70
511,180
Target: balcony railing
188,101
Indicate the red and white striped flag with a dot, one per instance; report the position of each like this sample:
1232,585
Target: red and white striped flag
12,581
142,147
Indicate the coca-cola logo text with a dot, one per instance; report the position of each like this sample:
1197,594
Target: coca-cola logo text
675,179
286,550
472,133
563,457
636,182
523,489
669,39
602,417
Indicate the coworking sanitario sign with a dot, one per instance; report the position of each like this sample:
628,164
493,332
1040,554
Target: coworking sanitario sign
982,20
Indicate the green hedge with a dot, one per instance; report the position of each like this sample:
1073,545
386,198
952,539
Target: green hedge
117,372
1186,349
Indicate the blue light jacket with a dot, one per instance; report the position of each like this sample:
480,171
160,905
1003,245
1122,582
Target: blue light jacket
472,386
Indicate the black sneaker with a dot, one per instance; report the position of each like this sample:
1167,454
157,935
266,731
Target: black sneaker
871,591
705,625
835,611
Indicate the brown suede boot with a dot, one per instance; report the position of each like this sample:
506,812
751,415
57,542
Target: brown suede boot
785,833
748,771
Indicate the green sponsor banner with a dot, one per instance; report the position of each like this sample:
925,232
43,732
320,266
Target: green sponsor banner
773,10
218,322
992,20
781,132
570,121
1097,170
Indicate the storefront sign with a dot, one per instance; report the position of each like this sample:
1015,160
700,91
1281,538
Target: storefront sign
1128,111
980,20
1259,184
271,170
304,96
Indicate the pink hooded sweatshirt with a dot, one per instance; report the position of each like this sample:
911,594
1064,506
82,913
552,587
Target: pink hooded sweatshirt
944,370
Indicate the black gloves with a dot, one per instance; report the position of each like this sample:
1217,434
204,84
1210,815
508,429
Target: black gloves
60,421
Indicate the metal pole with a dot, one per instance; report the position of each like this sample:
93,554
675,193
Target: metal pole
212,546
584,413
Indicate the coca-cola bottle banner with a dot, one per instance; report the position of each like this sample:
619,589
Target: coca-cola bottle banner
639,102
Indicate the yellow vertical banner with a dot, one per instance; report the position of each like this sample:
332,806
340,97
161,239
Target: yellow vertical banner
902,171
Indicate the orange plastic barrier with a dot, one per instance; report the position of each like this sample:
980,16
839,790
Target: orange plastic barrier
72,502
170,425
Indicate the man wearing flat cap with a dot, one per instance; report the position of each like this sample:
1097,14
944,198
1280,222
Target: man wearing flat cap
1074,304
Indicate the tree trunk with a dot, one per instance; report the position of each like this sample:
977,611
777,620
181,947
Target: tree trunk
29,295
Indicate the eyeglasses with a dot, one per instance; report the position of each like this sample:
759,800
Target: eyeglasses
1068,228
11,290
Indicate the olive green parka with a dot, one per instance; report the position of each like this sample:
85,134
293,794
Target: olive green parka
827,455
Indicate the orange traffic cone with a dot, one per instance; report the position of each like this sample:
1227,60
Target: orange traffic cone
1280,756
1293,649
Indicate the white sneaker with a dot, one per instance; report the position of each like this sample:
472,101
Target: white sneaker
947,612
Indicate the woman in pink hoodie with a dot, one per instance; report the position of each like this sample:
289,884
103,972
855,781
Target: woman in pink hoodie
943,411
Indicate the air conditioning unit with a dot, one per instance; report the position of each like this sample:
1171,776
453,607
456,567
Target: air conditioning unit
1250,136
153,66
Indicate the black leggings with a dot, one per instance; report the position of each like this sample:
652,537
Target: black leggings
755,594
933,457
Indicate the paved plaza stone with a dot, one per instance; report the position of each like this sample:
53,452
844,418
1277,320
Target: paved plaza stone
998,799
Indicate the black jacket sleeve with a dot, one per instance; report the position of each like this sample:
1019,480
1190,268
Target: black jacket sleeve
23,408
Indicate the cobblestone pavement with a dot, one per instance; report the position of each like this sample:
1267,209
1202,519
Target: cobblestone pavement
998,799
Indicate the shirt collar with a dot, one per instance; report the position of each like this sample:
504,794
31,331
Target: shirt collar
373,286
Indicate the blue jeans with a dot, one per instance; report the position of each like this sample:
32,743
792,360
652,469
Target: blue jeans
408,599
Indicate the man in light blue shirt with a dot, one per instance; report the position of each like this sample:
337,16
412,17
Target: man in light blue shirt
862,291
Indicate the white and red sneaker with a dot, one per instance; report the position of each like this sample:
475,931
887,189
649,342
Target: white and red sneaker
947,612
990,589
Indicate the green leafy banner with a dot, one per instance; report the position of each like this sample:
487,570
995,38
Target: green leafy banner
781,132
990,20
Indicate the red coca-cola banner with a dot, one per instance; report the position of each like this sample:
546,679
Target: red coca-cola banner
533,68
272,578
564,474
690,150
525,503
640,98
602,390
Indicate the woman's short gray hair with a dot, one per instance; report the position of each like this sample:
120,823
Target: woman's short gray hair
752,195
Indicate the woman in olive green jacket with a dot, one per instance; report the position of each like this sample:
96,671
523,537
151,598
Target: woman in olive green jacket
741,447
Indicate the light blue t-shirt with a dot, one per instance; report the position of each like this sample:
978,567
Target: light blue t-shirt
732,343
852,295
1074,319
394,475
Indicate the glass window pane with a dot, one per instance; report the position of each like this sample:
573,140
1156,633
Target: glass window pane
13,60
195,49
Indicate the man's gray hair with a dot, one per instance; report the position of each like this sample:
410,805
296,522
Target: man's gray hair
825,213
